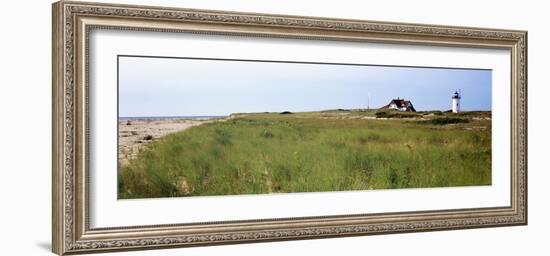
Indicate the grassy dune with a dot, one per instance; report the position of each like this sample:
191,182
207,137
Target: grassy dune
316,151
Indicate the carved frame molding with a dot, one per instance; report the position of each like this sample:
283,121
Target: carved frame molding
72,22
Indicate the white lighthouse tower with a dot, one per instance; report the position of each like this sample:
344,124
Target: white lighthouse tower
456,102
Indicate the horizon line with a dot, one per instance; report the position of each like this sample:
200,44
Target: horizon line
271,112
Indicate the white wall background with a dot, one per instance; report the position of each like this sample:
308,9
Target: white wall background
25,149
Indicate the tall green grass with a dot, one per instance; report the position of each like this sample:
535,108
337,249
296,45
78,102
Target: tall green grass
273,153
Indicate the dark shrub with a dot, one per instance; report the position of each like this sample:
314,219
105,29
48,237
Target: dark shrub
448,120
267,134
394,178
381,114
395,114
405,115
435,112
223,137
286,113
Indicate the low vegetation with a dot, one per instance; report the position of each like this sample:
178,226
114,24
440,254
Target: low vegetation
445,120
317,151
396,114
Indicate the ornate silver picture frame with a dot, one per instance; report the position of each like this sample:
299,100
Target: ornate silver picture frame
74,21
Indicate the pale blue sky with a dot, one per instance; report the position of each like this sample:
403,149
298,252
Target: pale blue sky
189,87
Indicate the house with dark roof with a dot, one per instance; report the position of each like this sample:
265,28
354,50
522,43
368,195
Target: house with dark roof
400,105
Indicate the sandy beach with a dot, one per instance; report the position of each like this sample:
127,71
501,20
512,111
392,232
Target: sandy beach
135,134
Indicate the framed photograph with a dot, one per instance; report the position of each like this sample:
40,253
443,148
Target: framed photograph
179,127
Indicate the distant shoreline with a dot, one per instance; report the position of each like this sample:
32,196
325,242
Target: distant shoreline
209,117
156,118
